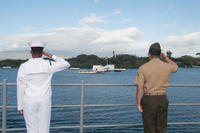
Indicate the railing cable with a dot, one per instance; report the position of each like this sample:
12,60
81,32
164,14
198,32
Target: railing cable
81,127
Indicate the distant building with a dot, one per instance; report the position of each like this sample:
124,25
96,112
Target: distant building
109,67
114,56
98,68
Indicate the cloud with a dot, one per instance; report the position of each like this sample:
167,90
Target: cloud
82,40
186,44
117,12
170,25
169,9
128,35
86,40
14,45
15,55
96,1
27,28
126,20
93,19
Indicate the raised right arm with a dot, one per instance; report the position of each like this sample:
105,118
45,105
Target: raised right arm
59,64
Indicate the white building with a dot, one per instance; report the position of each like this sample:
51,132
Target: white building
109,68
98,68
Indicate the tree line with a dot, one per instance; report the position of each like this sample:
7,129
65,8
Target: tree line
120,61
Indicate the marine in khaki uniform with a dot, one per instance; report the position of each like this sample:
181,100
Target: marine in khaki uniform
152,81
34,88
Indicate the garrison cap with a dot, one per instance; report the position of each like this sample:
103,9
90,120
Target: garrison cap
37,44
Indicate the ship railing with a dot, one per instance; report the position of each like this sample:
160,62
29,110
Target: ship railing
81,126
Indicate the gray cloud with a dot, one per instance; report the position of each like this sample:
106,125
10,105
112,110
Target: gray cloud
186,44
27,28
117,12
93,19
81,39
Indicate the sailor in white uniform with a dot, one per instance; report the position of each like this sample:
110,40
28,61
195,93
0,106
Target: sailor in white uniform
34,88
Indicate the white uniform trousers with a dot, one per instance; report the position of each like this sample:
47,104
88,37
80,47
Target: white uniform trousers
37,116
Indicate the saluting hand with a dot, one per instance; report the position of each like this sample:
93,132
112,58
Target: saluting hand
47,54
162,55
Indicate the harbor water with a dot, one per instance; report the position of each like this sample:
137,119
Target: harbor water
70,95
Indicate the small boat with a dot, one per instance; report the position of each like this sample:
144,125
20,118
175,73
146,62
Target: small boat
119,69
74,68
193,66
87,72
6,67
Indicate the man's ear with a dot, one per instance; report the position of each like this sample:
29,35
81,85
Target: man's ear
149,55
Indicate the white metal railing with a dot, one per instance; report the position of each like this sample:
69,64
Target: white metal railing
4,107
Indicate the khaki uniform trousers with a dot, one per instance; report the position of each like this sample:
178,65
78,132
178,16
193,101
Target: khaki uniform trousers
155,110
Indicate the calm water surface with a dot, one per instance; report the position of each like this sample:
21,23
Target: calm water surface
110,95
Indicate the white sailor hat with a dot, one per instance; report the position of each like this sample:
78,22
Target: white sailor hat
37,44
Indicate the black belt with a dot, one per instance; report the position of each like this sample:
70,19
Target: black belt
155,94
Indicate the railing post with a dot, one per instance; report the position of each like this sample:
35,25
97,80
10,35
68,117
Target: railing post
82,107
4,106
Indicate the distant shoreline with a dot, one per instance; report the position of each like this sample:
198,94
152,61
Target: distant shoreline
120,61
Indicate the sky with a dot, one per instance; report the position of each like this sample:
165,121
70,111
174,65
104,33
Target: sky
73,27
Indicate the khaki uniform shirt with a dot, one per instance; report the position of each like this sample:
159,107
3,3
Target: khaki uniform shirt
154,76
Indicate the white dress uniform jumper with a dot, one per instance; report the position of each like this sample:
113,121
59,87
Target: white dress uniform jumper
34,91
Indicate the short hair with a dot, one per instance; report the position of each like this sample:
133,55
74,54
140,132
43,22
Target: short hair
155,49
37,50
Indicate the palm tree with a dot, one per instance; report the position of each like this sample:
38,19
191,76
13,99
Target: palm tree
169,54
